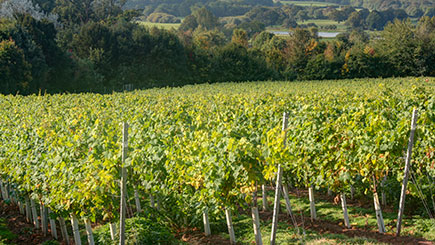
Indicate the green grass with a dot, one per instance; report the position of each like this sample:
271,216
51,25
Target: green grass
6,236
166,26
341,27
309,3
322,23
360,218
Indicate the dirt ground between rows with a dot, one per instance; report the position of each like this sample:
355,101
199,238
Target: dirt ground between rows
27,234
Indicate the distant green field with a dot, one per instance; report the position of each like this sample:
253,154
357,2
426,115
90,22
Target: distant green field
309,3
341,27
322,23
166,26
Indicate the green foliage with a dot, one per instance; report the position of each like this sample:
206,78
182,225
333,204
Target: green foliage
240,37
14,70
138,231
206,146
162,18
399,46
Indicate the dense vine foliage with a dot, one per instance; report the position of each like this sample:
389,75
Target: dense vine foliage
208,146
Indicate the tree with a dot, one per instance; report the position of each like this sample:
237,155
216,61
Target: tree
200,17
355,20
13,9
14,70
206,19
189,23
337,15
398,45
104,9
235,63
375,21
252,27
302,15
301,45
208,39
240,37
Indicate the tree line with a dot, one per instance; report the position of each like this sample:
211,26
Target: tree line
90,53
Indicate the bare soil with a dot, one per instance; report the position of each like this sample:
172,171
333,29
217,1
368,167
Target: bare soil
17,224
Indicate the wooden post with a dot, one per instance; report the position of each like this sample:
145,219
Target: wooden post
21,207
63,230
2,187
123,184
256,217
28,210
34,214
289,207
52,225
5,191
379,218
44,225
112,231
152,203
276,206
89,232
352,191
344,207
75,229
264,197
278,186
384,196
406,175
312,204
137,201
230,226
206,223
256,223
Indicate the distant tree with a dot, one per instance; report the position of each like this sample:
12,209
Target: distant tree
235,63
240,37
348,10
189,23
399,46
202,18
375,21
15,72
302,15
252,27
430,12
206,19
425,37
207,40
162,18
337,15
318,14
289,23
363,61
301,45
104,9
74,11
14,9
355,20
262,39
364,13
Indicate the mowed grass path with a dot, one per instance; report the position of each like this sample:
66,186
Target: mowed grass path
363,219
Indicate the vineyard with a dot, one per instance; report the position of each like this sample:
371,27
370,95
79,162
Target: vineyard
202,152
